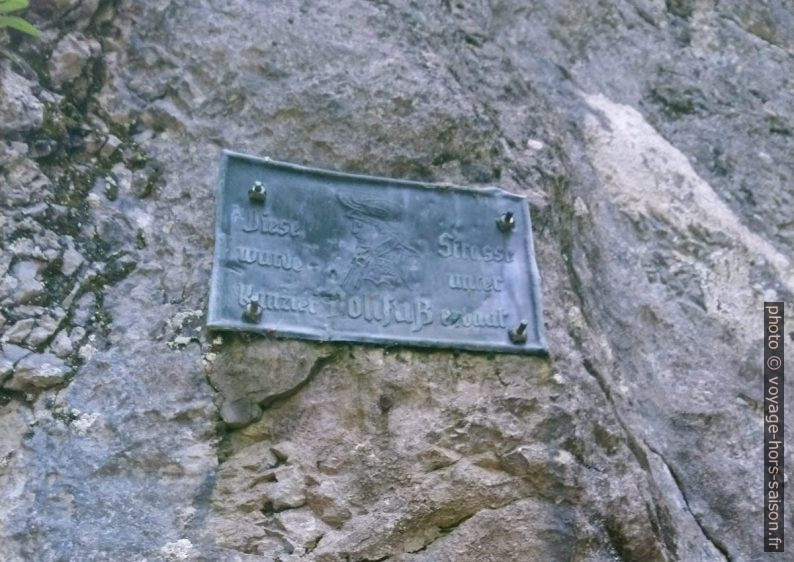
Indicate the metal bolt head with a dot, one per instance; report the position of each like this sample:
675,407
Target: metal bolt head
506,222
519,334
257,193
252,312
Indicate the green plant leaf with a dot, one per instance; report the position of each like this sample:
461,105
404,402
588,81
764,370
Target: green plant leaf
8,6
19,24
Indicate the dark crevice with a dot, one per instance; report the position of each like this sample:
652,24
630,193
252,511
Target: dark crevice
313,544
269,509
678,482
319,364
7,395
458,523
617,540
567,240
446,530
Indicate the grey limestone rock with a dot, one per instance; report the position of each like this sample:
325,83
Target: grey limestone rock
62,346
239,412
27,285
72,260
20,110
23,184
70,56
37,371
69,14
19,331
11,354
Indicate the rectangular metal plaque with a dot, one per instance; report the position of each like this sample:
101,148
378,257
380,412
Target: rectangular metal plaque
322,255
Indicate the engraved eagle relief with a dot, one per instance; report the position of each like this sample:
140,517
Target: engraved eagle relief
381,258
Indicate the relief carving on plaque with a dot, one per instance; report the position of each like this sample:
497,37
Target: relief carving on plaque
381,258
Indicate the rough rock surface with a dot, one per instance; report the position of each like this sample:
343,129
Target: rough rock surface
653,139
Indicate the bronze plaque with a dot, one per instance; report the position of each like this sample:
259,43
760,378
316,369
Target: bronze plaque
321,255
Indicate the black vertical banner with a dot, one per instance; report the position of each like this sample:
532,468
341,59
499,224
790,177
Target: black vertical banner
773,426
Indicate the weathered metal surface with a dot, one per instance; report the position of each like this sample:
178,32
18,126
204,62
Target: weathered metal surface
314,254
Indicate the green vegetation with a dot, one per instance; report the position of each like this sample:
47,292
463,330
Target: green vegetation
15,22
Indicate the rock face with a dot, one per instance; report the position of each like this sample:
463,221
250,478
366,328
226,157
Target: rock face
653,140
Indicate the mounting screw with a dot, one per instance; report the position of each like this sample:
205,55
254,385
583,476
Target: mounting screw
519,335
252,312
506,222
257,193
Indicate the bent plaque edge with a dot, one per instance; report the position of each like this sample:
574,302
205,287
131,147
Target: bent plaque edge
216,321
